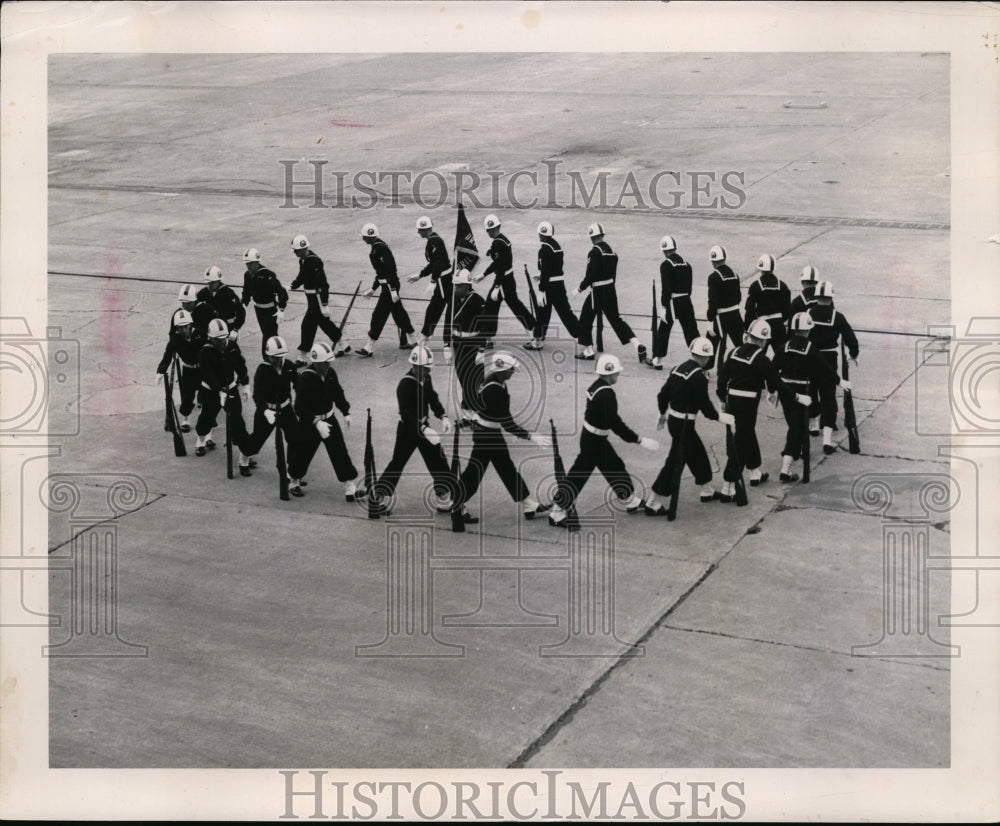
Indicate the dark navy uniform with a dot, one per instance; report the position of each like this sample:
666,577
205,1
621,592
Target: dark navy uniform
201,314
829,326
222,371
742,377
386,283
682,397
316,397
724,299
502,268
263,288
416,399
272,390
602,271
489,421
675,298
469,334
312,279
439,269
600,419
803,301
552,283
187,350
226,304
770,299
802,368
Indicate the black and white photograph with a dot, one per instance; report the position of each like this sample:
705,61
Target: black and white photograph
500,411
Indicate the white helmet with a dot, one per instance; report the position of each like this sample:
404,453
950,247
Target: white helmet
423,222
369,231
595,230
824,290
608,365
275,346
491,222
182,318
463,276
701,346
802,321
300,242
189,292
765,263
320,352
213,274
545,228
759,328
667,243
717,254
498,362
809,274
217,328
421,357
250,255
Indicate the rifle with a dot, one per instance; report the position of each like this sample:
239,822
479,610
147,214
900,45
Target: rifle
654,327
850,420
370,469
532,298
457,523
677,448
229,441
572,520
600,325
805,443
280,463
347,312
741,489
171,411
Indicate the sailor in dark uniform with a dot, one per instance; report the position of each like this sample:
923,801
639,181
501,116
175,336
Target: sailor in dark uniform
829,327
770,299
724,299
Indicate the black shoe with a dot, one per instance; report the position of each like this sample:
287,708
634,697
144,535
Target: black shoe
725,498
763,478
199,450
469,519
251,463
788,477
377,509
636,508
828,449
245,470
532,346
404,346
537,511
713,498
303,482
343,352
658,511
295,490
814,433
582,357
210,444
654,366
185,428
642,353
364,352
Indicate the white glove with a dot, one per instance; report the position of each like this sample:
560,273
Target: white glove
159,378
413,278
430,288
245,393
541,440
660,422
803,399
846,385
223,397
772,398
648,444
369,292
347,421
542,300
233,335
394,296
727,419
280,315
431,435
662,313
324,311
323,429
270,416
477,278
495,293
446,424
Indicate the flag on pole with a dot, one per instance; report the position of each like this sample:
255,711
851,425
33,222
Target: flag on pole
466,253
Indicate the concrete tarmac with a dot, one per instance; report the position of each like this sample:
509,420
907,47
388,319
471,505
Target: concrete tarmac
282,633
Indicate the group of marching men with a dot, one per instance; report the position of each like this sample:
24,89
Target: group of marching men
804,335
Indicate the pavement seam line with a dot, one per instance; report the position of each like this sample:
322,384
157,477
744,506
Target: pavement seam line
105,521
570,712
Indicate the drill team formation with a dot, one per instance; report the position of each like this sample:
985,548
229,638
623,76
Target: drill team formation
764,345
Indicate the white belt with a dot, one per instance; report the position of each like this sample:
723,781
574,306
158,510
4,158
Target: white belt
461,334
267,306
381,281
603,283
679,295
676,415
770,316
728,309
484,422
310,292
829,349
597,431
750,394
555,278
794,381
230,387
285,403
